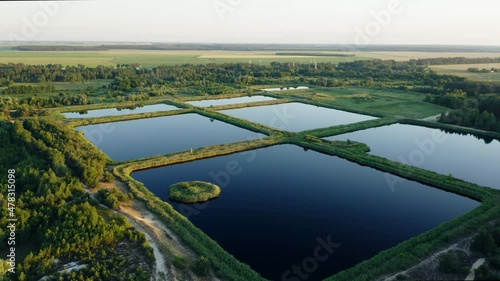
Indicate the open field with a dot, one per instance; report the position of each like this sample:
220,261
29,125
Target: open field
370,101
461,70
404,56
148,58
151,58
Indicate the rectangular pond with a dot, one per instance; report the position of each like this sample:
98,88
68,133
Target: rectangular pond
219,102
152,136
296,117
278,204
119,111
464,156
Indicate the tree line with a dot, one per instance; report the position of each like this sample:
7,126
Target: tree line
29,89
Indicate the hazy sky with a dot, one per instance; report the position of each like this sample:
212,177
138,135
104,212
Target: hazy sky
256,21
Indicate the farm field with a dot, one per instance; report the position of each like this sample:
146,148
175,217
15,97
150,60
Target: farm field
151,58
461,70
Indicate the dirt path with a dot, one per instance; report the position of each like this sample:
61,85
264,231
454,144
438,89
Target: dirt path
432,118
475,266
160,262
462,245
164,242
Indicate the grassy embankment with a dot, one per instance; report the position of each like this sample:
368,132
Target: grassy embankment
451,128
183,109
110,119
253,104
343,129
107,105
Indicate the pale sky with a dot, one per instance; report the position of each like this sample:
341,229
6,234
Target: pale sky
449,22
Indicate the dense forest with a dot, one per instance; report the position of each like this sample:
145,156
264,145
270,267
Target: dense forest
61,221
476,111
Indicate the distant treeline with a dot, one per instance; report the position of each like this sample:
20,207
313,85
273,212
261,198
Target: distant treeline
484,70
455,60
316,55
298,47
60,48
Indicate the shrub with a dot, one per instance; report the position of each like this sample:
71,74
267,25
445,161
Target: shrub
449,263
109,177
202,266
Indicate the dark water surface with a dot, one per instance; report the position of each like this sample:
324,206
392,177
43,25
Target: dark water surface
119,112
279,204
218,102
147,137
464,156
296,117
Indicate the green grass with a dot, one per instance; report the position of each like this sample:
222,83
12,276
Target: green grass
461,70
151,58
369,100
193,191
155,58
82,86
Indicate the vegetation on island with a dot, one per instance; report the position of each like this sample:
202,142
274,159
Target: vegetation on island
193,192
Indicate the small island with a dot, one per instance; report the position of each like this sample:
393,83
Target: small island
193,192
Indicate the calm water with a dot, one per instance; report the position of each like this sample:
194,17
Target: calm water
147,137
119,112
207,103
277,202
464,156
296,117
